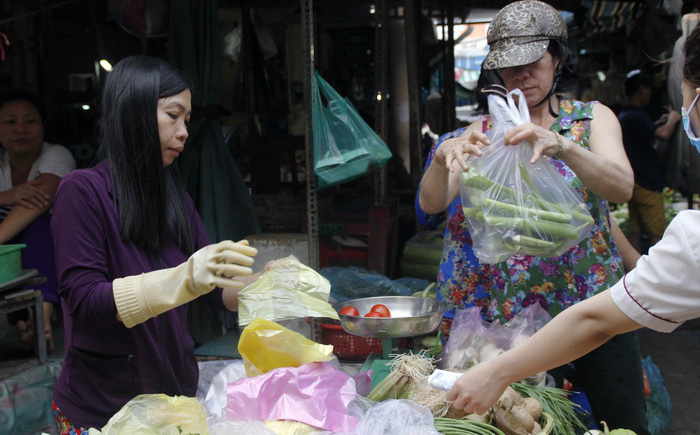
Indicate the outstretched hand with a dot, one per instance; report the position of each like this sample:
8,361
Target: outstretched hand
453,153
477,389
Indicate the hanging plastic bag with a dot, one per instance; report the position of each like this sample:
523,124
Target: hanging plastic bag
158,414
288,290
316,394
515,207
345,147
659,407
266,345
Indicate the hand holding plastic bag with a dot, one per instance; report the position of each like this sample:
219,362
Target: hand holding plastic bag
513,206
287,290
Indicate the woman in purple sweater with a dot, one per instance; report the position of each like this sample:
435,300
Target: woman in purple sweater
131,251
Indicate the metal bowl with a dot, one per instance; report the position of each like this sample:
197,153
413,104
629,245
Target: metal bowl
410,316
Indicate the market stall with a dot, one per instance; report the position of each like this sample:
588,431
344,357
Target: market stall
285,383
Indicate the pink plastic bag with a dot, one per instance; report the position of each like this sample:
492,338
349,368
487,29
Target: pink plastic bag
316,394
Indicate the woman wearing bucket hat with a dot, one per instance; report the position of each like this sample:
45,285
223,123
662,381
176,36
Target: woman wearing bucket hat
583,140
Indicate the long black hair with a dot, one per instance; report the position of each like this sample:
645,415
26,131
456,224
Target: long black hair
149,197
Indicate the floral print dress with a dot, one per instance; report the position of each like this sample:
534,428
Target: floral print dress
503,289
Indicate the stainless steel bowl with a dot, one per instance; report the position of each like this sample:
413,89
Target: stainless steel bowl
410,316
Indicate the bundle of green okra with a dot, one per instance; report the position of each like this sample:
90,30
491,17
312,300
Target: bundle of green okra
523,224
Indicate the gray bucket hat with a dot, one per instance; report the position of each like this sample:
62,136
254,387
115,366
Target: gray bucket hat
520,33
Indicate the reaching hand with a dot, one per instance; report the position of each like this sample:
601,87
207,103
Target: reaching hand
29,195
477,389
451,153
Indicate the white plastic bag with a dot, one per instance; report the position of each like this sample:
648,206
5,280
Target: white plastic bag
515,207
397,416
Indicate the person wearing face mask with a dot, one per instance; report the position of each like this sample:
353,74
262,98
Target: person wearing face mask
583,141
30,171
660,293
131,252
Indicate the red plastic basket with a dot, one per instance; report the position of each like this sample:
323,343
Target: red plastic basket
352,347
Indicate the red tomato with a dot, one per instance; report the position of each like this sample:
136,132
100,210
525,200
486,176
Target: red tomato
374,314
350,311
381,309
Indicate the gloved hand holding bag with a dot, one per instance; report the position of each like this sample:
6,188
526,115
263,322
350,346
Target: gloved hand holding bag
141,297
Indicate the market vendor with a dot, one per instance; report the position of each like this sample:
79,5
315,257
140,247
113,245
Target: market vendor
131,251
660,293
528,50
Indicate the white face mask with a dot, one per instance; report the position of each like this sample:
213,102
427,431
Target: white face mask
685,114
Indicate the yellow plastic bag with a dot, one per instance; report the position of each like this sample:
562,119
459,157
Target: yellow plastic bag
266,345
288,290
158,414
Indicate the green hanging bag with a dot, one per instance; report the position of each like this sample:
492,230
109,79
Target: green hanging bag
345,147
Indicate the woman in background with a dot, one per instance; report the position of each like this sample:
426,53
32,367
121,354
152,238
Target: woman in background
30,171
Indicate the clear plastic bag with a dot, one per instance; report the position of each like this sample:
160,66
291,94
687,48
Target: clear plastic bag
158,414
473,340
397,416
288,290
515,207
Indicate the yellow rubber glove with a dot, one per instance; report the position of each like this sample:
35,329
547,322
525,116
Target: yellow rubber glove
141,297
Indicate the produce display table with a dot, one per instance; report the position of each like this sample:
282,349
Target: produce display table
13,297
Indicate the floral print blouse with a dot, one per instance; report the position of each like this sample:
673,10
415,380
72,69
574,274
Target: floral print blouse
503,289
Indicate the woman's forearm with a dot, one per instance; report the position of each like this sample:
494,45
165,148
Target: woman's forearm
6,197
17,220
570,335
435,192
603,176
628,253
230,295
604,167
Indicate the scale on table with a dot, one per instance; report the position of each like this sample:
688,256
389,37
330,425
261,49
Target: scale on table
410,316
